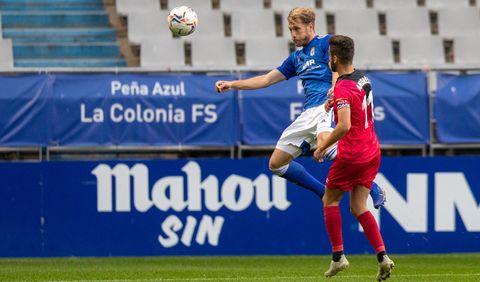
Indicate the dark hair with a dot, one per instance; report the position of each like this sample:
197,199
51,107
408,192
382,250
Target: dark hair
343,47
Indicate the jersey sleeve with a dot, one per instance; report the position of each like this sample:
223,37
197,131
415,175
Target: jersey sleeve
341,96
288,67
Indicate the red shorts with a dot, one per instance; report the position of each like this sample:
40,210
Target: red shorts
345,176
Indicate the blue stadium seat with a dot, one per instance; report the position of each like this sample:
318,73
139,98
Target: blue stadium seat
50,5
60,33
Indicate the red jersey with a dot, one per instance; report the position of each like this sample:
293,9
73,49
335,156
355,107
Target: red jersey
360,144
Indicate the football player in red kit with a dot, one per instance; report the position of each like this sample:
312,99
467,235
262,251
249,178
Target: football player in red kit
358,157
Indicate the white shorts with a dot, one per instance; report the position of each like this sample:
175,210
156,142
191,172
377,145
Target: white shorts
301,135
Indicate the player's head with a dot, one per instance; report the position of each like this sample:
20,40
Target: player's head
341,51
301,23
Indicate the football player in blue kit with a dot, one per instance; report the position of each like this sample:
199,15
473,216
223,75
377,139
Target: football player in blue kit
310,64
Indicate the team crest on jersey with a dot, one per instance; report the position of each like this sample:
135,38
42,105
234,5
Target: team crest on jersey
312,51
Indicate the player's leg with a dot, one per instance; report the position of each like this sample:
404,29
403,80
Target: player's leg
296,139
358,207
281,163
333,218
377,193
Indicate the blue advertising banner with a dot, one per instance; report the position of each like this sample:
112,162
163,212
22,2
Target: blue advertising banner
265,113
225,207
104,109
457,107
25,104
400,105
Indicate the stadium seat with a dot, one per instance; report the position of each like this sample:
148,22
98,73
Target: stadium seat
429,52
435,4
219,54
458,21
372,52
287,5
265,54
147,24
394,4
418,23
162,53
6,53
359,23
253,24
333,5
236,5
320,23
124,7
466,50
196,5
212,27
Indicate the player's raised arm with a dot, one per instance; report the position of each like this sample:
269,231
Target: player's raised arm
261,81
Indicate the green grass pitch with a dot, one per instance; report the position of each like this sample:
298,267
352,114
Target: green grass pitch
447,267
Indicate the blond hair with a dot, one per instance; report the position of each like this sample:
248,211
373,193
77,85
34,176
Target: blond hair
305,14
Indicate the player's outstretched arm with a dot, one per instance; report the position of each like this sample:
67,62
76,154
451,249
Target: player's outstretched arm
256,82
341,128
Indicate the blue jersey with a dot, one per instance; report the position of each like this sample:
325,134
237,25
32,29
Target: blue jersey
310,64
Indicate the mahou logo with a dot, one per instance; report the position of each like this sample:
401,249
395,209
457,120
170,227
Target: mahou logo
187,192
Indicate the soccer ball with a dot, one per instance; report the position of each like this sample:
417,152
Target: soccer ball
182,21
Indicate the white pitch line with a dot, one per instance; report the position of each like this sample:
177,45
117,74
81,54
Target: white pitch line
263,278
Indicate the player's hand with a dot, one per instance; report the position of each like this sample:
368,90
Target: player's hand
328,104
318,154
330,92
222,86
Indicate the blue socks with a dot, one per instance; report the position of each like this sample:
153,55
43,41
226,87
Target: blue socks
297,174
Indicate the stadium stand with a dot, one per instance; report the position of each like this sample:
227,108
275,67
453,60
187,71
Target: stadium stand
235,5
232,34
213,28
373,52
162,53
6,54
417,25
334,5
429,53
219,56
50,33
265,53
435,4
458,21
466,50
394,4
362,22
287,5
197,5
124,7
251,24
147,24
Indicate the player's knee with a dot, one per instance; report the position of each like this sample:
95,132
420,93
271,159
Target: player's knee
277,168
353,211
356,211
